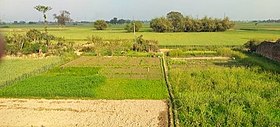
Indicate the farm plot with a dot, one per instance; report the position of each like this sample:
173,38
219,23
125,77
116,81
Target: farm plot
12,68
226,92
95,78
81,113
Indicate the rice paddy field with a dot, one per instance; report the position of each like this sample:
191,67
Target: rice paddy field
241,33
95,78
226,92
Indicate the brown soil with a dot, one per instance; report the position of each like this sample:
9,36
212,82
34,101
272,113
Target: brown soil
97,113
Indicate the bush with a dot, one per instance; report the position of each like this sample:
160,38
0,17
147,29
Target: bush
130,27
175,53
100,24
142,45
34,35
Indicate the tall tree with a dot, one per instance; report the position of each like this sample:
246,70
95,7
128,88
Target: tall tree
177,21
63,17
43,9
161,25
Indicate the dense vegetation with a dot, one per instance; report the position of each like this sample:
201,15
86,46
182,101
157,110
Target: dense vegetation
240,92
176,22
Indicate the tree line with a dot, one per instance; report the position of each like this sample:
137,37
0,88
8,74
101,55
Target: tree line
176,22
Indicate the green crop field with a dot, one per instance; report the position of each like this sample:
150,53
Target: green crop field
237,36
239,92
12,68
95,78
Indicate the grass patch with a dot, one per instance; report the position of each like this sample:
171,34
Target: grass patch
57,83
132,89
233,37
95,78
240,92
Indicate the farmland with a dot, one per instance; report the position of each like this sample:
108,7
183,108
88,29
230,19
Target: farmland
241,33
12,68
95,78
226,92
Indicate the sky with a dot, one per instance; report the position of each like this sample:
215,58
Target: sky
90,10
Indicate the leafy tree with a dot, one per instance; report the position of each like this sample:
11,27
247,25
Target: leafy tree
43,9
189,24
161,25
130,27
177,21
227,24
100,24
63,17
197,27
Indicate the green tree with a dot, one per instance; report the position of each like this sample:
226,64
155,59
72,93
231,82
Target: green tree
227,24
43,9
177,21
189,24
63,17
130,27
100,24
161,25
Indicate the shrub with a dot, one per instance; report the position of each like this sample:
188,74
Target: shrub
130,27
175,53
34,35
145,45
100,24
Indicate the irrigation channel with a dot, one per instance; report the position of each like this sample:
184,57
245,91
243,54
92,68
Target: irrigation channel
173,114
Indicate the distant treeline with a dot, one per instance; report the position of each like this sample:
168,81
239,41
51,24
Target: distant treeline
176,22
267,21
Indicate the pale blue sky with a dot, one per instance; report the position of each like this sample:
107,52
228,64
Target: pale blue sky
90,10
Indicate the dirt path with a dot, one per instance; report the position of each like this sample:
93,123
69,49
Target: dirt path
203,58
97,113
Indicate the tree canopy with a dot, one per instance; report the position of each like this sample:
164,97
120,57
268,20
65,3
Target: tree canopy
63,17
176,22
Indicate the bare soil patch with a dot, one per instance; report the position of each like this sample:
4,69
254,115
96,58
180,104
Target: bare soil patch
106,113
